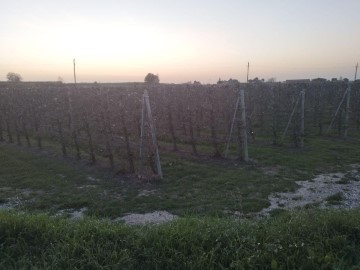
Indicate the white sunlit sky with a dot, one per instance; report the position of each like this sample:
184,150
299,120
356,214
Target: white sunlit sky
181,41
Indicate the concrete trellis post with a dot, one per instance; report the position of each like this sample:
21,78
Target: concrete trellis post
347,95
347,112
290,118
72,128
240,105
244,146
337,110
302,124
346,128
232,125
146,107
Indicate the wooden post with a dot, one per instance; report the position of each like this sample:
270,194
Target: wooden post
127,141
171,128
290,118
302,124
62,139
356,70
213,134
37,131
90,139
107,129
17,132
191,131
1,129
337,111
232,125
141,154
274,117
72,128
244,146
26,133
320,112
347,112
153,133
7,122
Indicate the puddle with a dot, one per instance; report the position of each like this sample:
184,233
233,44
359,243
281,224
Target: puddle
156,217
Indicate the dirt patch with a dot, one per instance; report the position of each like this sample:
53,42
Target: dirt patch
11,203
7,206
87,186
5,189
156,217
72,213
93,179
271,171
146,193
320,191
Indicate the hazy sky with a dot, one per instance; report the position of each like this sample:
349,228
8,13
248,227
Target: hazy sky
118,41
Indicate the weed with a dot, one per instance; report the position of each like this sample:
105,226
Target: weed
335,199
343,181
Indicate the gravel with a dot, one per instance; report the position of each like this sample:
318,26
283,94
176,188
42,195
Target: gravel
156,217
318,189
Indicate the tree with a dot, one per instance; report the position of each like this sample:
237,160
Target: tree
13,77
151,78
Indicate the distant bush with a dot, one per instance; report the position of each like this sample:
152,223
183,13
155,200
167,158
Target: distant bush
14,77
151,78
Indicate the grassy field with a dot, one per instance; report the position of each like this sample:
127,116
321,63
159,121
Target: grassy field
34,180
205,192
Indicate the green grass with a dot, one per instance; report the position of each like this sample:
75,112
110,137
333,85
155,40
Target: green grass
204,191
335,199
306,240
192,185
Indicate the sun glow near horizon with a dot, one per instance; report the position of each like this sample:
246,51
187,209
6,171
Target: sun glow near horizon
204,41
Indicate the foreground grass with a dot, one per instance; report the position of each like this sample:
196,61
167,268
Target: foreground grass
298,240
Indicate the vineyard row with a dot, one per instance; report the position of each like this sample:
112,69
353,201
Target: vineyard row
97,122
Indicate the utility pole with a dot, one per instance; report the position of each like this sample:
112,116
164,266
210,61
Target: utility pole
74,71
247,76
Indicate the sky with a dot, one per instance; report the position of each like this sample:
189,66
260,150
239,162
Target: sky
181,41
